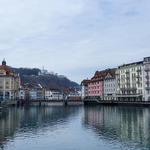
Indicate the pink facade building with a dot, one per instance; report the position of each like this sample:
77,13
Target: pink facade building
96,84
95,88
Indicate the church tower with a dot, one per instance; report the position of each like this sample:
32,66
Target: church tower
3,62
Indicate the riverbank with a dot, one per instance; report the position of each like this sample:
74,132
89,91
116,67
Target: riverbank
56,103
72,103
120,103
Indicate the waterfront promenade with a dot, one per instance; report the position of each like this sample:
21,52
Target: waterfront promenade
114,102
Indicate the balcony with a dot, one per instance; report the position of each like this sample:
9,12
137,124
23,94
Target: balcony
147,88
129,95
133,88
139,70
147,77
127,72
123,89
147,69
128,83
129,89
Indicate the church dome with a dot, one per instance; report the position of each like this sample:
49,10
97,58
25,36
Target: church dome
4,63
5,68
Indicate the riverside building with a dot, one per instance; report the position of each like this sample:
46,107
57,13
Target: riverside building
130,82
102,85
110,85
84,88
9,83
52,94
146,78
96,85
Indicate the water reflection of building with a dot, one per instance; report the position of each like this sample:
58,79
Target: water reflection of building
21,120
9,121
119,123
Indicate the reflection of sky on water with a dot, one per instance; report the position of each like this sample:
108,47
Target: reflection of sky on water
75,128
128,125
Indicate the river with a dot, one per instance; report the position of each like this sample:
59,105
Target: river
75,128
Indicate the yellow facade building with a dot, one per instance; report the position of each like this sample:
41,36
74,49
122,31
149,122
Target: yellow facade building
9,83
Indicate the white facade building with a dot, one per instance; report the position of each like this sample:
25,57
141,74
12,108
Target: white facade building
146,77
33,95
110,86
84,89
22,94
130,82
53,95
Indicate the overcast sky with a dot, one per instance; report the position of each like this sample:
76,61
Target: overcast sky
74,37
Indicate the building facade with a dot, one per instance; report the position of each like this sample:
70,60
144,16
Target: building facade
53,95
130,82
33,94
9,83
96,84
22,94
110,85
146,78
36,94
84,88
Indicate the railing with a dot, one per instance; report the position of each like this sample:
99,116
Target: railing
128,78
147,69
138,82
127,72
147,77
147,88
129,89
128,95
138,76
139,70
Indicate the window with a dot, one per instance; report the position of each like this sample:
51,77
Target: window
7,82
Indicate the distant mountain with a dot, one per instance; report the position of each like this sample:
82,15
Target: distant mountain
51,81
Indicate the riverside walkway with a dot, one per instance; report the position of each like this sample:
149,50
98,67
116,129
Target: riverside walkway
50,102
115,102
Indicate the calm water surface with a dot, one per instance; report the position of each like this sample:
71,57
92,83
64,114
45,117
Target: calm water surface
75,128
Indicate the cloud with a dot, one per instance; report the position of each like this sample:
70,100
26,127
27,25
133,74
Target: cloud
74,37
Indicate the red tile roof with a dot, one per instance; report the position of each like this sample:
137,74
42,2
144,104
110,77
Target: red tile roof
85,82
100,75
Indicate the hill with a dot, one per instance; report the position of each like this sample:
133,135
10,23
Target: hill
51,81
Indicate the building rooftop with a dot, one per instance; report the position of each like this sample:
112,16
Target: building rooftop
7,69
85,82
100,75
130,64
